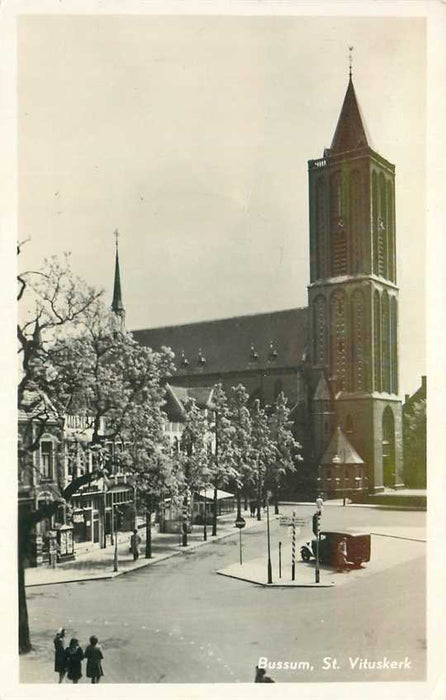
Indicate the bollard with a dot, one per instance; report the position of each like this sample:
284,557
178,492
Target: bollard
280,559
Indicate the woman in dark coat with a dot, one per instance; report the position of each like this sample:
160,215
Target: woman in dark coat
94,656
74,656
60,662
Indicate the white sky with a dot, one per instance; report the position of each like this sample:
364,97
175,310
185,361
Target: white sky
192,136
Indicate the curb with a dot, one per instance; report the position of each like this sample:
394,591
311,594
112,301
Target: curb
397,537
144,562
277,585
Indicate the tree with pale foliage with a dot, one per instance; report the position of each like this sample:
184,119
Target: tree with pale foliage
193,458
52,302
241,449
287,450
223,470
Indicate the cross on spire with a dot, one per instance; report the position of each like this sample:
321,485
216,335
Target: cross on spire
116,235
350,60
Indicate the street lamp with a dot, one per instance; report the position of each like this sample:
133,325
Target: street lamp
270,570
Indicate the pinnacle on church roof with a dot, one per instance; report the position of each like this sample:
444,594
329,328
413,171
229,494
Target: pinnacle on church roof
117,305
350,131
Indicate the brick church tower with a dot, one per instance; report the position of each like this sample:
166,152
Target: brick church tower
353,296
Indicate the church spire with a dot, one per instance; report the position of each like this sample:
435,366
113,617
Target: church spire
117,304
350,131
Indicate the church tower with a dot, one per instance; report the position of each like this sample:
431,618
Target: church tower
117,304
353,295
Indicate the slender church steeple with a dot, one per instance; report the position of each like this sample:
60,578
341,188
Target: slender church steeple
117,304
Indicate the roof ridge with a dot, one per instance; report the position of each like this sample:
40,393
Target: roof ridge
218,320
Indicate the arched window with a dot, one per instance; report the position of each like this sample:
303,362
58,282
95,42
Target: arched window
355,221
358,364
382,227
388,447
391,250
386,342
375,223
394,344
338,231
377,341
320,330
338,339
320,238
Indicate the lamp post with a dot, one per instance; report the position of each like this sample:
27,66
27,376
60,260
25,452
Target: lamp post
205,532
270,570
115,518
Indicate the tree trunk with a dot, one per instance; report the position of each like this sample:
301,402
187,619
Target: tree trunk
149,528
185,509
24,636
259,500
246,500
214,519
276,501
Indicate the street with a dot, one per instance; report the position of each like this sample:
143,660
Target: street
177,621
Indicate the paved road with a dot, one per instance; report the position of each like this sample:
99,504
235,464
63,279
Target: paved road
178,621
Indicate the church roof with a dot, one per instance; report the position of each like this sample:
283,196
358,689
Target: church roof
339,446
350,131
278,339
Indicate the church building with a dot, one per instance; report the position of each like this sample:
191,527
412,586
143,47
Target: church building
337,360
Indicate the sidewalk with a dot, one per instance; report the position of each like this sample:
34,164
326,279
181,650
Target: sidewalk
96,563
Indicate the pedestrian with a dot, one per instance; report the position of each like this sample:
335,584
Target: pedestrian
135,541
261,676
60,662
343,563
74,656
252,507
94,656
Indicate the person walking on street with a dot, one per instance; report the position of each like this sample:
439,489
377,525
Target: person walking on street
343,563
261,676
60,662
74,656
94,656
135,541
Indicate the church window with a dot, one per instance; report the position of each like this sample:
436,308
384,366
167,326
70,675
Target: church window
338,334
377,341
375,223
382,228
320,329
391,234
394,347
338,230
320,228
355,222
386,342
358,342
